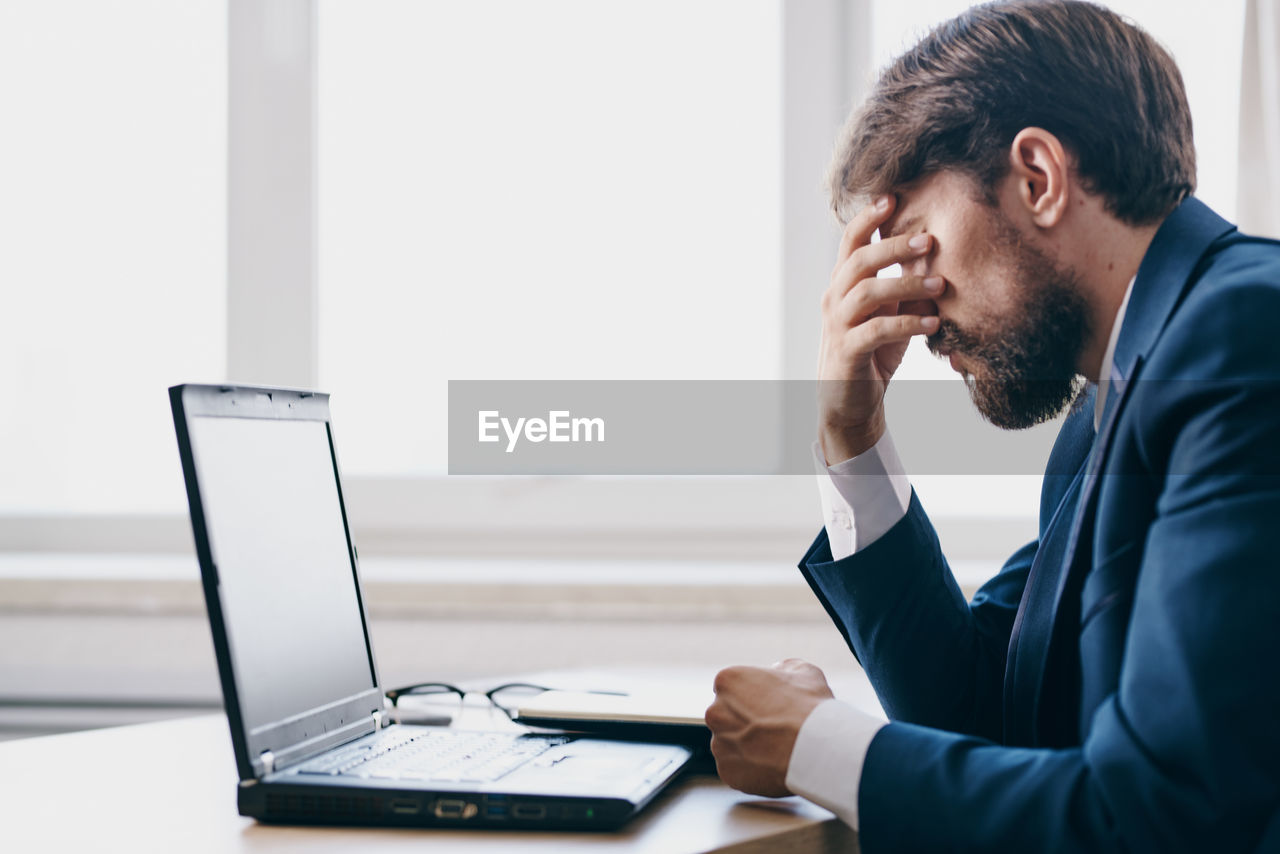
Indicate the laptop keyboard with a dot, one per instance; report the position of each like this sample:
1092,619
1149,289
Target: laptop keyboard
438,756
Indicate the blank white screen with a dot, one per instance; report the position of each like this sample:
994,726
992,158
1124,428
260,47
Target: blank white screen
288,595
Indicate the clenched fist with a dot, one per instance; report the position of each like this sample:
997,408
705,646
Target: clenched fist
754,721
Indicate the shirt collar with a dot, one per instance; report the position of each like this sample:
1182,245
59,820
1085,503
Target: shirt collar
1108,358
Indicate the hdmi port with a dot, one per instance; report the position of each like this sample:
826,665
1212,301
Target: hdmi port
529,811
406,807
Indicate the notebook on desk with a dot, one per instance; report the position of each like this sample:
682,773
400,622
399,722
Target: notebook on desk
299,679
672,715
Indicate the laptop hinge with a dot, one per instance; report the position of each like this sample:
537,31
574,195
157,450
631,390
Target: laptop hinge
377,720
286,756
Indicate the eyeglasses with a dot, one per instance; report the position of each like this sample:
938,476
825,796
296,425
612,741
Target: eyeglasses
510,692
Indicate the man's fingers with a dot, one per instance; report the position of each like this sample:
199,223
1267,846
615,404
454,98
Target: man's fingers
715,716
878,331
864,224
722,716
727,678
868,260
870,295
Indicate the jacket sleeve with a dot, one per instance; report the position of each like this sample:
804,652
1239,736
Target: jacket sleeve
933,658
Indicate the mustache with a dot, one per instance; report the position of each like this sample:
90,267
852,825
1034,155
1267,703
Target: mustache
953,339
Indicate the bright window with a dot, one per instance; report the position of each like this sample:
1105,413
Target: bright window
565,189
112,212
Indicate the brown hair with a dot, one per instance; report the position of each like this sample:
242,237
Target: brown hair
956,100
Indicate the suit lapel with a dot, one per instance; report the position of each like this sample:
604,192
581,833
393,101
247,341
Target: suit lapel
1033,621
1163,278
1058,726
1097,459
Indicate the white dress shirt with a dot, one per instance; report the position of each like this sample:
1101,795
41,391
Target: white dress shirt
862,498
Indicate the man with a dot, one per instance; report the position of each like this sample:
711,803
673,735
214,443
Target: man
1030,166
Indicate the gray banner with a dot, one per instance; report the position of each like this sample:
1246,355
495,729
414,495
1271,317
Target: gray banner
697,427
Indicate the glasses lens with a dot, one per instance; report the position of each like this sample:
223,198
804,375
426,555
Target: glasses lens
508,697
431,690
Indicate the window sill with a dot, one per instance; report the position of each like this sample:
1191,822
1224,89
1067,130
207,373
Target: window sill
448,588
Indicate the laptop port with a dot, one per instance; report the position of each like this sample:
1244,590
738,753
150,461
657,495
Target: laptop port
406,807
455,809
529,812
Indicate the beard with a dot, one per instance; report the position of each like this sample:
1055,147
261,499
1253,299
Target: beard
1023,361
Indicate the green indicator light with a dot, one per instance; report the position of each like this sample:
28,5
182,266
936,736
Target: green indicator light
591,813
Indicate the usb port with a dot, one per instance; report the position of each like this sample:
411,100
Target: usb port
495,806
406,807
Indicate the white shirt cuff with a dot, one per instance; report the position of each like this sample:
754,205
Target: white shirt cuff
826,761
863,497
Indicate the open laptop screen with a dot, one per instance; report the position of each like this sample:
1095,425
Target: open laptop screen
270,498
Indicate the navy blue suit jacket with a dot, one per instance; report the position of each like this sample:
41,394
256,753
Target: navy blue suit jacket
1114,687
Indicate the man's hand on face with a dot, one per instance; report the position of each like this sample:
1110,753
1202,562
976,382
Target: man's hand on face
754,721
866,325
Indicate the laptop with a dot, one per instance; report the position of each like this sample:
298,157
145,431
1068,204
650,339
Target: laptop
299,680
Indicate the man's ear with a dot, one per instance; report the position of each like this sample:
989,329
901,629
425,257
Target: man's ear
1039,166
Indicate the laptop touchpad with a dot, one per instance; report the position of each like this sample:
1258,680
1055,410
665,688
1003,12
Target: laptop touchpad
590,764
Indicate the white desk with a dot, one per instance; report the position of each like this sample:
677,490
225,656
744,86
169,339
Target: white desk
170,787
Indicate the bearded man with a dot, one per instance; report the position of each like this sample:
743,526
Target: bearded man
1030,166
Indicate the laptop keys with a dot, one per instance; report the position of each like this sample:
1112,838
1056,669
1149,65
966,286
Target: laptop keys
444,757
